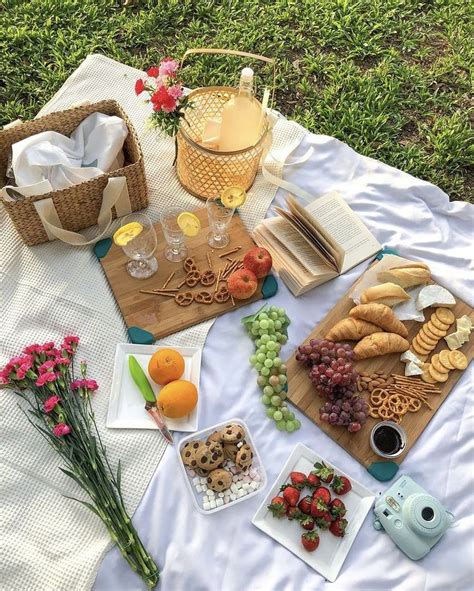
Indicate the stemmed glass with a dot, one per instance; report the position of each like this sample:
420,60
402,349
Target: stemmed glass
141,248
220,217
174,235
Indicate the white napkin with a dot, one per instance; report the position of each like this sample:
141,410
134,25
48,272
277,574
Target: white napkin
50,161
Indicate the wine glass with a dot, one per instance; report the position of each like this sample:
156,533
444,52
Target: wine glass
219,217
141,248
174,235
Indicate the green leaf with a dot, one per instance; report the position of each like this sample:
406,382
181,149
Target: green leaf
119,474
252,317
85,503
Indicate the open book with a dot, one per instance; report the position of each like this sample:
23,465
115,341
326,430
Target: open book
313,244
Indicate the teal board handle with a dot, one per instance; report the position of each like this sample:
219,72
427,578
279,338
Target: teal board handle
102,247
138,336
383,471
269,287
386,251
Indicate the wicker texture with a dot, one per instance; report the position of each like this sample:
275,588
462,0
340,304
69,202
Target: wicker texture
204,172
77,206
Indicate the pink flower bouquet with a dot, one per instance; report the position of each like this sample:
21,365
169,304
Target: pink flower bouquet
166,95
59,407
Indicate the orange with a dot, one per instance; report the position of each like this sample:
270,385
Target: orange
177,399
165,366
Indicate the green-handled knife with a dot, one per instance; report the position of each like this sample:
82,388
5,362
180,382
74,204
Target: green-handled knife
146,390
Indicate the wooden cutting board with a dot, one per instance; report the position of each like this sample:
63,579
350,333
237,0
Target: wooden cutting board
160,316
303,395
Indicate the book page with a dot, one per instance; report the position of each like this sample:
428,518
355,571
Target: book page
345,228
305,253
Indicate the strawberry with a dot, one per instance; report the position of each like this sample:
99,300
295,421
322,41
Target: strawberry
298,479
278,507
291,494
318,508
312,480
305,505
324,521
310,540
324,472
322,493
341,485
338,527
293,513
337,508
307,522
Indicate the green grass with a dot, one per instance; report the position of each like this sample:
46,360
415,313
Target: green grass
389,77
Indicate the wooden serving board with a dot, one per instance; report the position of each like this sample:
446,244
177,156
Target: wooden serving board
303,395
161,315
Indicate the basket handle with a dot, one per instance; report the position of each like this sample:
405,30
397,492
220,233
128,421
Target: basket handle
115,195
213,50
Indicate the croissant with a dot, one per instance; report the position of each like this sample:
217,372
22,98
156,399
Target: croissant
380,343
406,276
380,315
351,329
389,294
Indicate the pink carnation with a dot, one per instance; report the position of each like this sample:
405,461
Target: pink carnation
47,366
91,385
4,378
153,72
63,361
139,86
50,403
31,349
21,373
76,384
71,341
175,91
46,378
61,429
168,67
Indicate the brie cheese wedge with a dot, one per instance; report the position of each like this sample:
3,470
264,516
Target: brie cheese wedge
409,357
408,310
412,369
455,340
434,295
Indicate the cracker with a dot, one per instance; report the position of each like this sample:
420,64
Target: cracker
421,346
419,350
445,315
427,336
439,377
437,322
458,359
436,363
426,377
444,359
434,330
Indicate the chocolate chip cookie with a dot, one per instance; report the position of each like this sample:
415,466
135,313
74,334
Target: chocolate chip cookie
210,455
219,480
232,433
244,456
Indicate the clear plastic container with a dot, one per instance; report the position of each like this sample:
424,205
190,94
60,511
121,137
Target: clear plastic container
256,465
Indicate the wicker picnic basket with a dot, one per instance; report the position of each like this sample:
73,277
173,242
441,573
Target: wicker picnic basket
77,207
205,172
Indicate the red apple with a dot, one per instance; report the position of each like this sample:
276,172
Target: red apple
258,260
242,284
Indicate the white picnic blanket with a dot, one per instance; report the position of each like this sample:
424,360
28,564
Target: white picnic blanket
224,551
48,542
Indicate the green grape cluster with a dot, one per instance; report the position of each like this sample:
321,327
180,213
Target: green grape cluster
269,332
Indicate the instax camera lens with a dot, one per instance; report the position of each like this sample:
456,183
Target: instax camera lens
427,513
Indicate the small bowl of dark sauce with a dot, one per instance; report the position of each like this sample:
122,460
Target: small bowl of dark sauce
388,439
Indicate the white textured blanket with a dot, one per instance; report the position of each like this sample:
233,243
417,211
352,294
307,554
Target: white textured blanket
48,542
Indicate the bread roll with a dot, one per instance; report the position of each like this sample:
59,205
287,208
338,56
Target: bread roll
380,315
389,294
380,343
351,329
406,276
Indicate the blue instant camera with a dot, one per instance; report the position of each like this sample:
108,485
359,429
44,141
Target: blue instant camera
411,517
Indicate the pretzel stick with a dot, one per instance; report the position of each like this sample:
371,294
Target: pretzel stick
230,260
224,254
232,299
218,279
164,293
182,283
165,289
209,261
168,280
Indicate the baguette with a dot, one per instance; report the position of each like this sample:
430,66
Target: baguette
405,276
380,343
389,294
380,315
351,329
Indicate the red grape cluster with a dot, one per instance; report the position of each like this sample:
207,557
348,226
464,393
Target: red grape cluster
335,379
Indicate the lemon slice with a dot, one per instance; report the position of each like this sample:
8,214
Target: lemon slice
126,233
233,196
189,223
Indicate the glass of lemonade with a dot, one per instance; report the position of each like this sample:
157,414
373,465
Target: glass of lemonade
174,235
219,217
141,246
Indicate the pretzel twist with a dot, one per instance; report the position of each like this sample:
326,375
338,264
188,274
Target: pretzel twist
208,278
192,278
184,299
203,297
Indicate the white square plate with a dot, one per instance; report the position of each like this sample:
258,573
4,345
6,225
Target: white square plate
329,557
126,404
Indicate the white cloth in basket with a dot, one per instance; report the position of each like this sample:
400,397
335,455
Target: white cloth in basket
50,161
